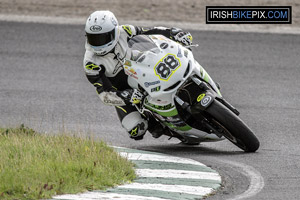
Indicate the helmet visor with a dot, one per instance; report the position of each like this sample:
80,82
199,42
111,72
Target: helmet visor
100,39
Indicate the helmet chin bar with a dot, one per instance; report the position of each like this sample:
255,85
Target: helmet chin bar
100,51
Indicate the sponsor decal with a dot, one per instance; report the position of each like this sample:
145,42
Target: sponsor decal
95,28
156,89
92,66
200,97
128,63
147,84
206,100
130,72
134,131
164,45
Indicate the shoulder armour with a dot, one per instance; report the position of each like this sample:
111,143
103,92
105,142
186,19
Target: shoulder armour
128,30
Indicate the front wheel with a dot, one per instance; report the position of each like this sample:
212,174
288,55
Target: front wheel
232,127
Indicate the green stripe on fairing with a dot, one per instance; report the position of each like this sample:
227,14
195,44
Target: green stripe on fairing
170,113
206,78
156,193
181,181
144,164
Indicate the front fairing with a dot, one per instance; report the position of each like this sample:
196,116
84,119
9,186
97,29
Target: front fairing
158,65
150,56
146,67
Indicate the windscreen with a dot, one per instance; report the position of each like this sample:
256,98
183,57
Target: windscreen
140,44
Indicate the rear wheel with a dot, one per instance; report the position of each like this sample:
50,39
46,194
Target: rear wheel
232,127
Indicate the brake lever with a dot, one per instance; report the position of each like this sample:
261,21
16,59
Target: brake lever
192,45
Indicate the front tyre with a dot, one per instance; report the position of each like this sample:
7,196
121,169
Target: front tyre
232,127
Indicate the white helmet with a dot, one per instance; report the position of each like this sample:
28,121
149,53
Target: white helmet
102,31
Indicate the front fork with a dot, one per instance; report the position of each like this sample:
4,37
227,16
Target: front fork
206,97
209,96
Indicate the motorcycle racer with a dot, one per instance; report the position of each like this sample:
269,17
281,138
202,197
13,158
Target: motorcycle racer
106,49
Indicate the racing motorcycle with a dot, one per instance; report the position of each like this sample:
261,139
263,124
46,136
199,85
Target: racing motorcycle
180,94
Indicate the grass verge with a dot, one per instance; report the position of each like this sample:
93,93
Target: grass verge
38,166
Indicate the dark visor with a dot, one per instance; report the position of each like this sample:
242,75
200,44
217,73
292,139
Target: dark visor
100,39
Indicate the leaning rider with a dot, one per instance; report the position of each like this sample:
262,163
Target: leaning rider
106,45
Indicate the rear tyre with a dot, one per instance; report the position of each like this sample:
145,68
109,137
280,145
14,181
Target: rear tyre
232,127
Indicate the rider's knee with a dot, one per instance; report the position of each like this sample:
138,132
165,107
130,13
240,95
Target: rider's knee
135,125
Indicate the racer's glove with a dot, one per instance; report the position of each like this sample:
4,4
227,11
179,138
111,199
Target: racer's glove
182,37
131,96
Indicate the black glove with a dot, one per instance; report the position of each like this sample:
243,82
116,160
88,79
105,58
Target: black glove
182,37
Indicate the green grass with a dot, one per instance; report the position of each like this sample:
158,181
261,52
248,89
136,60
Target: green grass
38,166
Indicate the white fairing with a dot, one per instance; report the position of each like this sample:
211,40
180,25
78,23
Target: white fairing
149,78
161,71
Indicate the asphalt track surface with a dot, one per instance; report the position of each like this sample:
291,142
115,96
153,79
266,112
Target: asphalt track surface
42,84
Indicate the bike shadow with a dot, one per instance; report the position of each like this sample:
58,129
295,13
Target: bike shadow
188,149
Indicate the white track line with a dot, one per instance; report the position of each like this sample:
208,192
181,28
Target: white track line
256,180
170,173
162,158
195,190
102,195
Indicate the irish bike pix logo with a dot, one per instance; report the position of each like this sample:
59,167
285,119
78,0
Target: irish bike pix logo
248,14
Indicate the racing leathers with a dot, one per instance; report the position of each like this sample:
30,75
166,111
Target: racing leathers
106,73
